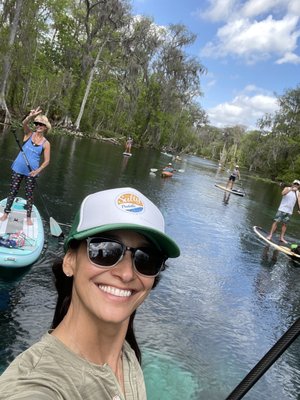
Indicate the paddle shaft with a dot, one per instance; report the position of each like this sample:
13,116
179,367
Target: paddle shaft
265,363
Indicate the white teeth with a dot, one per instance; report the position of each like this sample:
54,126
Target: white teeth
115,291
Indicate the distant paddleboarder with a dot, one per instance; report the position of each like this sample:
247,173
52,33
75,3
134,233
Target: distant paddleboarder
169,168
128,144
233,175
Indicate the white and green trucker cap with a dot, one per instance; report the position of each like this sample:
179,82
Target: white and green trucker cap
122,208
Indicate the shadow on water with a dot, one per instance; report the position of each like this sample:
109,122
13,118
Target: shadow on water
12,275
9,280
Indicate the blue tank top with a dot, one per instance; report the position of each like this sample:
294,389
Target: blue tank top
33,153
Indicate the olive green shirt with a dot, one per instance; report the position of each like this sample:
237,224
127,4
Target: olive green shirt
49,370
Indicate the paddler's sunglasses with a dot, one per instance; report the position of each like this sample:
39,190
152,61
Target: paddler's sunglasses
39,124
107,253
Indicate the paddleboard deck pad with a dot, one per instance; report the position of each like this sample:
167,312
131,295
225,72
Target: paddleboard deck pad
20,244
233,191
262,234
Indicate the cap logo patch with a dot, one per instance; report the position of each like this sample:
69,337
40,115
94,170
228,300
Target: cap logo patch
130,203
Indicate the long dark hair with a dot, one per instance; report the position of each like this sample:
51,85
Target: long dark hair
64,286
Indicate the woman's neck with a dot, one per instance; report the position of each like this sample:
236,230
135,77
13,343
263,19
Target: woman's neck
101,344
38,135
95,341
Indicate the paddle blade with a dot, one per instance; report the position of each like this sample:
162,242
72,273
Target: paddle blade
55,229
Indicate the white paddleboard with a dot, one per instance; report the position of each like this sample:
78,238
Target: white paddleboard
233,191
262,234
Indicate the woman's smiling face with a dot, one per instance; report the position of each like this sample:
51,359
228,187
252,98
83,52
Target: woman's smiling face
107,294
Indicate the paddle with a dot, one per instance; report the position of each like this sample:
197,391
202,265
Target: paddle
55,229
265,363
68,225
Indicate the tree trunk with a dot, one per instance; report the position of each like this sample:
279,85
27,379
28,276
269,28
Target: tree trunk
223,155
7,61
88,87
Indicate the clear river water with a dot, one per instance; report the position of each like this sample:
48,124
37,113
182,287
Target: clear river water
218,308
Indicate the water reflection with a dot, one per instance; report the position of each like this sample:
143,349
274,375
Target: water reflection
124,163
269,256
9,299
217,309
226,198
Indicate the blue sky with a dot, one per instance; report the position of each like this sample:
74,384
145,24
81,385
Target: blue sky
249,47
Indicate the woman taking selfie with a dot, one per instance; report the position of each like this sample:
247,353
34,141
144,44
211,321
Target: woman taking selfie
115,252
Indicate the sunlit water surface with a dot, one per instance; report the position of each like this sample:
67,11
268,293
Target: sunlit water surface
218,308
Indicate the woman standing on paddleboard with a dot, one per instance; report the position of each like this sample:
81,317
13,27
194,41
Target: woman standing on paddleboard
234,174
128,145
34,145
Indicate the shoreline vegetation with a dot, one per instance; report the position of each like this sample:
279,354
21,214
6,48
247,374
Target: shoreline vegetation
120,141
97,70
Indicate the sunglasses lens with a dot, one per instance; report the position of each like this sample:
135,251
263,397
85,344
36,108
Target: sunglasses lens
39,124
104,253
148,262
107,253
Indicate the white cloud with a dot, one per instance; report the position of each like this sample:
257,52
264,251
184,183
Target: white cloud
209,80
255,40
218,10
251,88
253,8
294,7
225,10
290,58
254,30
243,109
211,83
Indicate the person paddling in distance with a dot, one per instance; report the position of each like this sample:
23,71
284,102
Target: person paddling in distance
34,145
169,168
114,254
290,195
128,145
235,174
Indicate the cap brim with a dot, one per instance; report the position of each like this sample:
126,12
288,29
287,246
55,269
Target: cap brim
159,239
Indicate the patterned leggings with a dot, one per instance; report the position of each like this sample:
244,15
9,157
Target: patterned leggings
15,184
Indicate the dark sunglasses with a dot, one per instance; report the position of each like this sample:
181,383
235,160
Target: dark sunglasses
102,252
39,124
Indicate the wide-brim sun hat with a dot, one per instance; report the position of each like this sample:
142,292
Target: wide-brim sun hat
43,120
122,208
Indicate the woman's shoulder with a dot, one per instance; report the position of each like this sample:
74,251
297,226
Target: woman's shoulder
46,143
30,367
41,354
45,368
